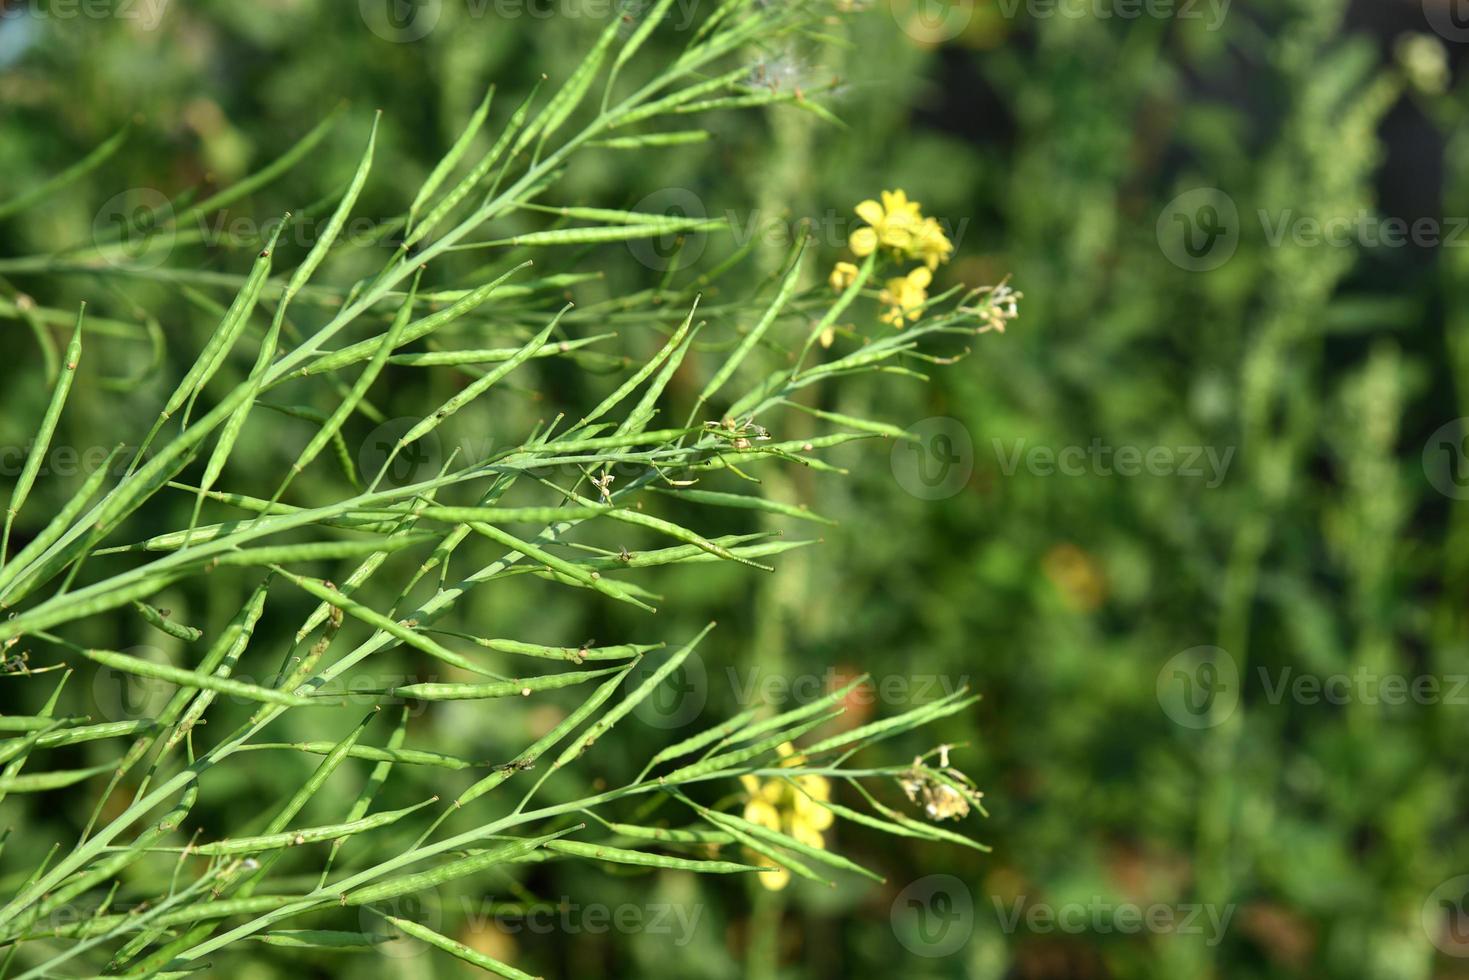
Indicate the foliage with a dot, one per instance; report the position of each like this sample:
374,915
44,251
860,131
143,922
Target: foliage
1052,139
364,556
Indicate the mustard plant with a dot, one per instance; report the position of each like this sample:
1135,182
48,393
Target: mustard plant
538,505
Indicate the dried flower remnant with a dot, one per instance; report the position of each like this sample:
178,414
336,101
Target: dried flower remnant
945,792
741,434
784,73
999,307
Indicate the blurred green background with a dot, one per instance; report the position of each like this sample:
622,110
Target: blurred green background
1216,462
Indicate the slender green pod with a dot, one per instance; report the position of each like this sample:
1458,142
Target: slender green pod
42,443
306,835
522,687
158,619
633,699
451,871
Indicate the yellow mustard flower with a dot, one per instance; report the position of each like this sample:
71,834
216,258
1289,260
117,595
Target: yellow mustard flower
905,296
898,224
776,804
931,244
892,224
842,276
896,202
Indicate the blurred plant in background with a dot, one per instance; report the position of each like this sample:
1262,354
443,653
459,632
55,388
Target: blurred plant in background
1187,530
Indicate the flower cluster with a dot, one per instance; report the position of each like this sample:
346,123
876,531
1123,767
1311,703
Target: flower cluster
790,805
904,297
897,227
